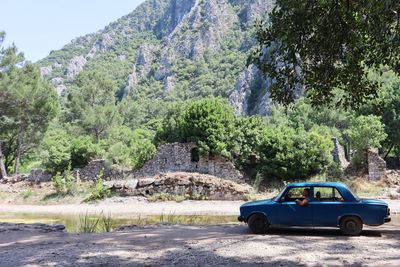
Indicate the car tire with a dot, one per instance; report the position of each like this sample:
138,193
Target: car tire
258,224
351,226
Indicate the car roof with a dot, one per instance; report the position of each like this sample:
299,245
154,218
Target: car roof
310,184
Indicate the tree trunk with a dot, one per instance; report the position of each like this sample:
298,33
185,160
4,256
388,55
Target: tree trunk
3,172
17,162
390,149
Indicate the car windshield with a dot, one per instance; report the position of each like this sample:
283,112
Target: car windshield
276,199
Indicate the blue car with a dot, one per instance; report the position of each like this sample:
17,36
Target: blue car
318,204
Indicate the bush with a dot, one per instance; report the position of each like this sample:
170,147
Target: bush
83,150
64,184
99,191
129,148
210,123
365,132
57,150
293,154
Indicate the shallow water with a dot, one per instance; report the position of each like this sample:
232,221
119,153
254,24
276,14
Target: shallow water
74,223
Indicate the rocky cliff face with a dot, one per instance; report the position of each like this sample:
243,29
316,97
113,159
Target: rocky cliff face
156,41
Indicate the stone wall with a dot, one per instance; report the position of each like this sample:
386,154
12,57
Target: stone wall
38,176
190,185
338,154
178,157
376,165
99,167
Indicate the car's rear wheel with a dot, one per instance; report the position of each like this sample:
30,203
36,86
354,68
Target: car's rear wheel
351,225
258,224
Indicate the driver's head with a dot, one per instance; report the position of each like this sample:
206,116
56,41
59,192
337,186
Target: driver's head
306,192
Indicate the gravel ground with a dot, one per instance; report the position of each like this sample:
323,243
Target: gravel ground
177,245
222,245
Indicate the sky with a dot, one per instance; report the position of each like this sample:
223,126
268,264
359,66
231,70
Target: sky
38,26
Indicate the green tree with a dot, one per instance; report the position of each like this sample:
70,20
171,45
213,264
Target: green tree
129,148
92,104
57,150
293,154
328,46
210,123
83,150
247,137
387,106
27,105
365,132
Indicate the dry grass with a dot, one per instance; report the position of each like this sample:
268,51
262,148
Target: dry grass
365,188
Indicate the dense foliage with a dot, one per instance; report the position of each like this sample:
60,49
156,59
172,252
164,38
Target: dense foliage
285,152
328,47
27,105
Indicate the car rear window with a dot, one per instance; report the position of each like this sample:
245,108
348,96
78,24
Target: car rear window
327,194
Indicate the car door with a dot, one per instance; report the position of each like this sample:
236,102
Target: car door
292,214
327,205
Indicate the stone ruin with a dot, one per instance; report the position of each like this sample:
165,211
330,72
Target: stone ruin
338,154
99,168
376,165
191,185
179,157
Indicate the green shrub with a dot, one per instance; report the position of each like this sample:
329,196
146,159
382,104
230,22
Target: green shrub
83,150
293,154
57,150
64,184
99,191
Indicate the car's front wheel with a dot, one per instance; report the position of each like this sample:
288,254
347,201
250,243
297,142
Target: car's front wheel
351,225
258,224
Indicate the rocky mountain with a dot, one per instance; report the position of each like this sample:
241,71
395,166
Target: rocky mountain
171,50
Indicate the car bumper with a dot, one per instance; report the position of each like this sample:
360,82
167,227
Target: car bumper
240,219
387,219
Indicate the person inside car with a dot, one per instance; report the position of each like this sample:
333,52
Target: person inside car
306,195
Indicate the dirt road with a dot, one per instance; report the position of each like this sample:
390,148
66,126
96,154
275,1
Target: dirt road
224,245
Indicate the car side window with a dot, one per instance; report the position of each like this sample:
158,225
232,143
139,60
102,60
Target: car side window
294,193
327,194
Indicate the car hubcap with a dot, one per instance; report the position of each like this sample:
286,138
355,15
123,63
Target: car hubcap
351,226
259,224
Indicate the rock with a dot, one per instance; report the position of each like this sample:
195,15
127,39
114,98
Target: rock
146,182
35,227
176,12
192,185
75,66
251,95
46,71
254,9
39,176
203,27
129,184
59,227
58,83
